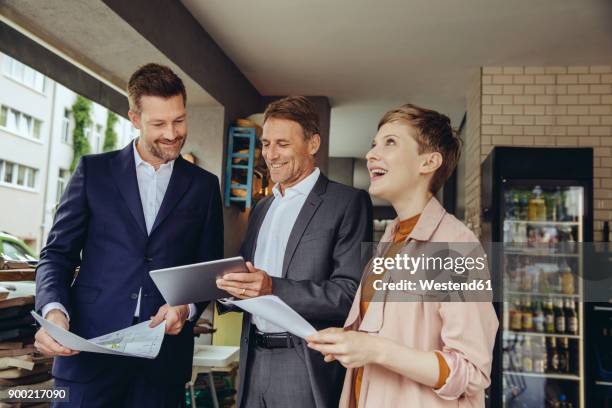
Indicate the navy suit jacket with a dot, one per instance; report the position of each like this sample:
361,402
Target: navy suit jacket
100,227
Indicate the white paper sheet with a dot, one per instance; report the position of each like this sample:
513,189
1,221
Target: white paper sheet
274,310
136,341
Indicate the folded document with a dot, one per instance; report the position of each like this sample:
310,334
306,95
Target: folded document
136,341
274,310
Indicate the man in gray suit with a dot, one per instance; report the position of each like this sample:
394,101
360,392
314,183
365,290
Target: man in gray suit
304,246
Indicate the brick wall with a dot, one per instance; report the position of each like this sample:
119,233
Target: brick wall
542,106
472,153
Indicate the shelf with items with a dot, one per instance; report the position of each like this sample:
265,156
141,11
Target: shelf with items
536,221
246,176
545,375
544,223
535,276
538,334
548,215
556,355
533,390
543,204
559,317
604,383
543,337
539,252
528,237
541,294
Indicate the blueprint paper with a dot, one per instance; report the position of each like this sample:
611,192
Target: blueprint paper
136,341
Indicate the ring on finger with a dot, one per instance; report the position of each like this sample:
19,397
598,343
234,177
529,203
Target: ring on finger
243,291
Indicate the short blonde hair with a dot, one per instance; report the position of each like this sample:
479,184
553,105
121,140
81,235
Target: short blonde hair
433,134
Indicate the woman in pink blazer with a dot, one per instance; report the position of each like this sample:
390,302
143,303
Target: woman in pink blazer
413,353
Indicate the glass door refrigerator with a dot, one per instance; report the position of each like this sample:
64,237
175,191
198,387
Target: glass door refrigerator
536,206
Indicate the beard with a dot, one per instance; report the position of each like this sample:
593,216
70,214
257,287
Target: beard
165,154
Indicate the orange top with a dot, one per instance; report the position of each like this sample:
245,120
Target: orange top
404,229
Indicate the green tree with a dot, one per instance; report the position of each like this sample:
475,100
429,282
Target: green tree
81,111
110,136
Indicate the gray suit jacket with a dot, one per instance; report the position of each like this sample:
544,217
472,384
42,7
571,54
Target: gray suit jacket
321,272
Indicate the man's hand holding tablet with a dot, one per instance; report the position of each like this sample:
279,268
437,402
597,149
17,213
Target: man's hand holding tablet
195,283
244,285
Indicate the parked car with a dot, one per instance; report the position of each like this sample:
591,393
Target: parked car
17,289
14,249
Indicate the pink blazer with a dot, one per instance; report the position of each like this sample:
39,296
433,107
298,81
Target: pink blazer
464,332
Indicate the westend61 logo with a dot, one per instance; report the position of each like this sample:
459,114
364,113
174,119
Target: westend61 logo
473,271
430,272
412,264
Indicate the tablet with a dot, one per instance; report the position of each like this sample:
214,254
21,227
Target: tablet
194,283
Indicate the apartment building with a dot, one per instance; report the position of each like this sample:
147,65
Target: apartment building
36,151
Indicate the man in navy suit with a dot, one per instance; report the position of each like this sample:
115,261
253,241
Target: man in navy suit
123,214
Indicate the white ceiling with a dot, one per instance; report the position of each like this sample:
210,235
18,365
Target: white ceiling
369,56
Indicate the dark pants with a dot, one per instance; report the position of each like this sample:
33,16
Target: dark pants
277,378
125,384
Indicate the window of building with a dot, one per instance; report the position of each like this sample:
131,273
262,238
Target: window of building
7,172
17,175
19,123
87,131
36,125
21,176
97,145
66,127
23,74
62,182
31,179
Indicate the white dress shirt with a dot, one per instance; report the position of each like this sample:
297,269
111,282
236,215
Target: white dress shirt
152,185
274,233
